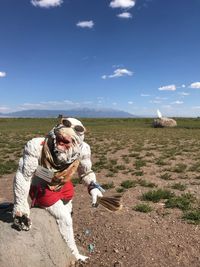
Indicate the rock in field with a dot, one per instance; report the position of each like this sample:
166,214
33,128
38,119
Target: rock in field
164,122
42,246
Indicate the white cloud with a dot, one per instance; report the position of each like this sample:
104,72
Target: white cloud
161,98
195,85
171,87
48,105
130,102
183,94
87,103
4,108
46,3
55,105
177,102
144,95
125,15
85,24
122,3
166,106
33,105
117,66
155,101
118,73
2,74
196,107
183,85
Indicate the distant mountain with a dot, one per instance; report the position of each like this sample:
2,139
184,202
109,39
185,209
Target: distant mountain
81,113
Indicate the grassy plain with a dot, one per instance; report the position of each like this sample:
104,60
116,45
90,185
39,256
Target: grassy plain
164,164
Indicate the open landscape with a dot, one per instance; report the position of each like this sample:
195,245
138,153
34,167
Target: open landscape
157,171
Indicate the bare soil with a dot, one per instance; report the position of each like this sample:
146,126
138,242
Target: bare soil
128,238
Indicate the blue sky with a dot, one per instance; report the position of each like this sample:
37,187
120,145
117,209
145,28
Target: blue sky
136,56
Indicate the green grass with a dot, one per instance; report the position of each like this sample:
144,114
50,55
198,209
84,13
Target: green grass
128,184
179,168
157,195
108,185
139,163
166,176
75,181
138,173
192,216
179,186
146,183
121,148
120,189
195,167
160,162
183,202
143,208
8,167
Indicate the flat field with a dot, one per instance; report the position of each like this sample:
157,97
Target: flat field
156,170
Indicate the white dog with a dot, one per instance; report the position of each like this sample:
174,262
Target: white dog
45,171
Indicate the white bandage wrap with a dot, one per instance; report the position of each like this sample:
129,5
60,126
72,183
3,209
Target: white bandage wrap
62,213
27,166
95,193
88,178
84,170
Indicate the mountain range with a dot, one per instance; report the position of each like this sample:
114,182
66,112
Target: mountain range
80,113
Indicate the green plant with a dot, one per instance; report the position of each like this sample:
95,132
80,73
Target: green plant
195,167
160,162
139,173
180,167
113,161
75,181
134,155
120,189
108,185
149,154
182,202
143,208
8,167
120,167
179,186
192,216
146,183
139,163
128,184
157,195
165,176
110,174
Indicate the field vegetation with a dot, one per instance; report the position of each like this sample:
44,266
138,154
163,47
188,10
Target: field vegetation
128,154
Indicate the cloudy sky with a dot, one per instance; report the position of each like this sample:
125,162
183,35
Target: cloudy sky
136,56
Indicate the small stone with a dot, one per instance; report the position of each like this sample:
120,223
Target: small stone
87,232
117,264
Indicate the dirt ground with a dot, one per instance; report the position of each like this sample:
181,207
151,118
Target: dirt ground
128,238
